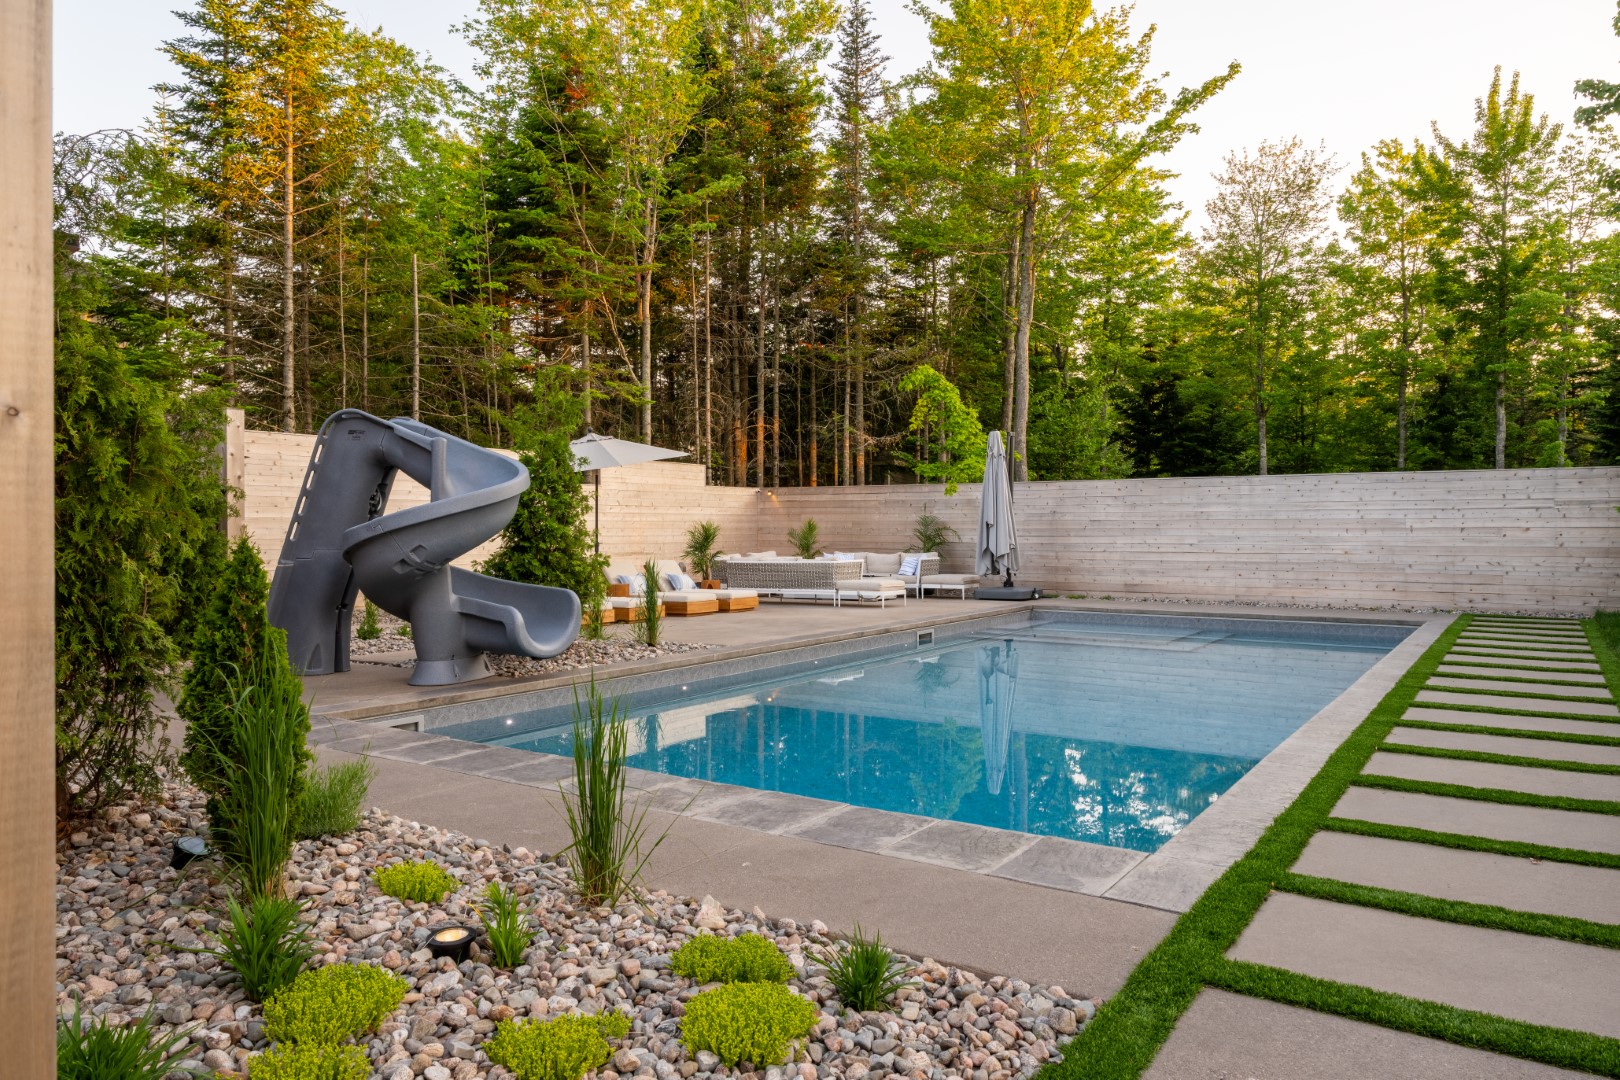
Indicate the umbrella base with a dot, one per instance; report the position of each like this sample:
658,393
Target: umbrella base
1007,592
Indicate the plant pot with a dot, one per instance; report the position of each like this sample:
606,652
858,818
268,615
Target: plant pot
711,583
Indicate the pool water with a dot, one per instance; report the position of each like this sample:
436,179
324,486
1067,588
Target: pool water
1100,729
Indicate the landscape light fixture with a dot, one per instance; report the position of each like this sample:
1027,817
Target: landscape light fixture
187,848
451,941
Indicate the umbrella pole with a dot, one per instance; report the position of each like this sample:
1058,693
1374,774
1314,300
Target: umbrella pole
596,506
1011,510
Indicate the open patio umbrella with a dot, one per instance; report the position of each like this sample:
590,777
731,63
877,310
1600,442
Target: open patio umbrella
593,453
998,680
997,552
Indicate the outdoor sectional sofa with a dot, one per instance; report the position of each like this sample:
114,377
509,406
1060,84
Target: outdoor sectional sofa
789,578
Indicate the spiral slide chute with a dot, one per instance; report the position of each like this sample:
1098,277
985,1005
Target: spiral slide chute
340,541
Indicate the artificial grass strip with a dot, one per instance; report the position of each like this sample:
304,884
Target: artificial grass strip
1463,842
1122,1039
1492,758
1491,795
1603,634
1488,916
1513,733
1559,1047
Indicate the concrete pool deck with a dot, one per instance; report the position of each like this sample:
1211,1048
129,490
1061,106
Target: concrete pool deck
1073,914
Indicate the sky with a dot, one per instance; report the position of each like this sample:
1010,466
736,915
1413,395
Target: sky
1343,75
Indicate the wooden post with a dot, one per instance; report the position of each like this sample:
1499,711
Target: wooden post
27,592
233,464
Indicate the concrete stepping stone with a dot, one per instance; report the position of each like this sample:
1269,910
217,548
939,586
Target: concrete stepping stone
1486,653
1520,976
1608,729
1530,704
1225,1036
1494,620
1546,749
1517,643
1527,628
1482,774
1496,821
1567,672
1476,877
1599,692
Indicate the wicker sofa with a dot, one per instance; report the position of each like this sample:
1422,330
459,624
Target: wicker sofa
789,578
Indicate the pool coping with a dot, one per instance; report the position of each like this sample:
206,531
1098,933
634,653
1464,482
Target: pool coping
1170,879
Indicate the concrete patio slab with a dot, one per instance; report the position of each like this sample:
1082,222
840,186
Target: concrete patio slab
1477,877
1545,749
1585,673
1477,682
1570,649
1484,652
1470,817
1171,882
860,827
962,845
1225,1036
1495,701
1064,864
1542,630
1438,715
1480,774
1548,634
768,811
1534,979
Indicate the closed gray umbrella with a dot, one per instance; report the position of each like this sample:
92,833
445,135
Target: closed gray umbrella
997,540
593,453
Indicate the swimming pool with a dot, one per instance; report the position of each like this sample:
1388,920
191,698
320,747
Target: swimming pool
1110,729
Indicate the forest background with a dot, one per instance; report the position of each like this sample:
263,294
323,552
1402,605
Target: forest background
722,228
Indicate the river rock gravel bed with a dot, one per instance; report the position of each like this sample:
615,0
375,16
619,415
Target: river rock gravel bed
125,921
393,649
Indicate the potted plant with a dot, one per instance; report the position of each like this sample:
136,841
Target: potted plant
702,546
931,532
805,538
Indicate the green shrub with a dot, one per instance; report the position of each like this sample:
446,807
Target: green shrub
563,1048
330,804
605,854
233,643
421,882
594,626
752,1022
309,1062
506,924
650,627
265,943
368,630
1608,627
805,538
325,1006
865,974
931,532
702,545
745,958
102,1051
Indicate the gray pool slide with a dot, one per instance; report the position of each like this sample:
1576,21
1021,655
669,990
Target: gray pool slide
340,541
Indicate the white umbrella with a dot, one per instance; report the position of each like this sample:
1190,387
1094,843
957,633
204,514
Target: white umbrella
998,679
593,453
997,540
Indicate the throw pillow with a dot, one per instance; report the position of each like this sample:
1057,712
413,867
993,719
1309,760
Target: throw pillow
909,565
679,582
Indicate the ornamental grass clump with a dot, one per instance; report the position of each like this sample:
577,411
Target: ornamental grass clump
865,973
103,1051
265,943
331,799
328,1005
419,883
650,627
745,958
753,1022
563,1048
508,927
309,1062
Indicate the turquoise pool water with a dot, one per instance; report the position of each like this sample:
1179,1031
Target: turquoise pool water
1115,730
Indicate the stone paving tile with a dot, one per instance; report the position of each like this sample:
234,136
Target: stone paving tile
770,811
1477,877
1545,749
1452,697
544,770
1583,673
1225,1036
430,749
1168,882
1596,692
1564,648
860,827
1535,979
1538,631
1481,774
1069,865
1529,656
1435,714
961,844
1576,829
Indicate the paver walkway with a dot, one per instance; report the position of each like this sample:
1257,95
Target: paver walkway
1513,742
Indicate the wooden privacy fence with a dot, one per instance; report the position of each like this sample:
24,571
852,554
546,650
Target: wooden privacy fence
1524,539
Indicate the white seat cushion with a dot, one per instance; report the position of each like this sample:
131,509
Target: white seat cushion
873,585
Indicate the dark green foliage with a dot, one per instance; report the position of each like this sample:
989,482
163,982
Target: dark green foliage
265,943
102,1051
507,926
805,538
328,1005
234,640
752,1022
331,799
865,973
744,958
931,532
563,1048
419,882
702,545
368,630
299,1062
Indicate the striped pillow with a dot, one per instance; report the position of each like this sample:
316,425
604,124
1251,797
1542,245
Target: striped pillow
909,565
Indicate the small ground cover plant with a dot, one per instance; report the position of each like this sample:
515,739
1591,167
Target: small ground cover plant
507,926
103,1051
865,974
747,1021
328,1005
297,1061
562,1048
265,943
369,629
330,802
744,958
423,882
